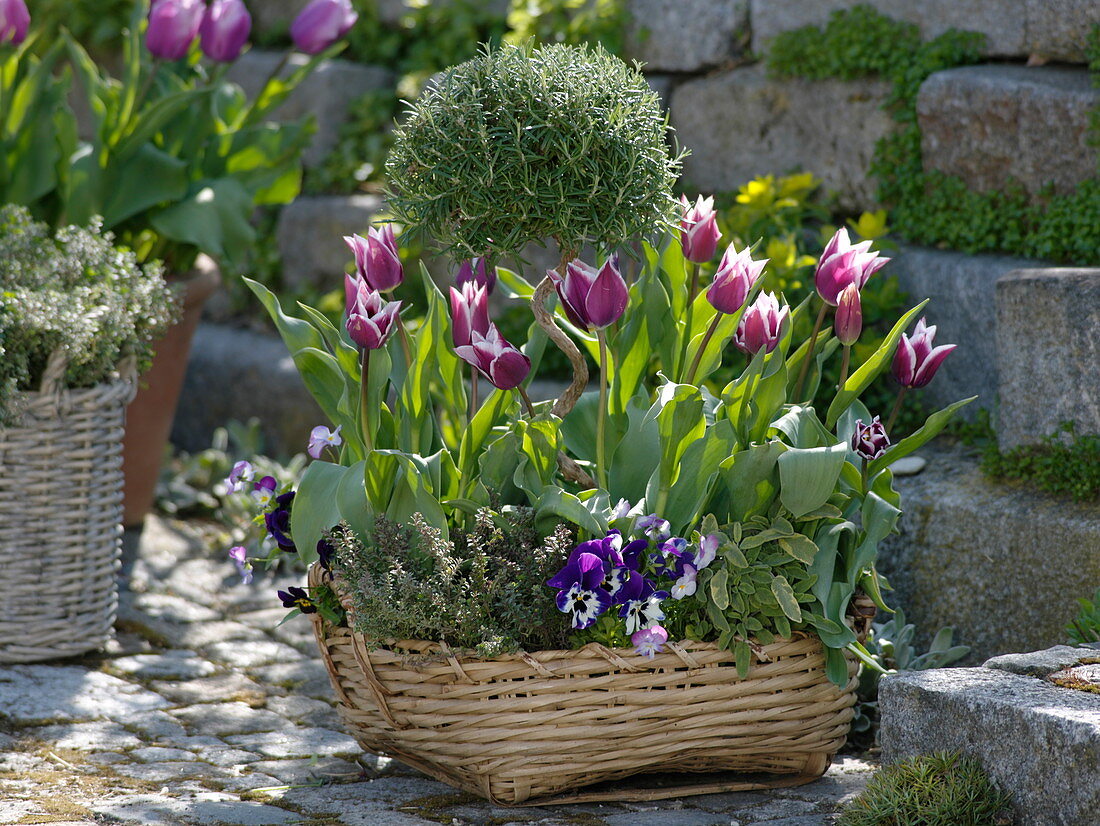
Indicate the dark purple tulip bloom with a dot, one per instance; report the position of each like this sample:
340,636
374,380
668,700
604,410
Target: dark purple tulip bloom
278,523
737,274
843,263
377,260
371,321
916,360
496,359
698,229
173,27
469,313
870,440
849,316
761,326
295,597
589,297
580,594
474,270
15,21
225,29
322,23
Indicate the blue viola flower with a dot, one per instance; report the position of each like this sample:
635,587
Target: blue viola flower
580,593
640,603
654,527
670,558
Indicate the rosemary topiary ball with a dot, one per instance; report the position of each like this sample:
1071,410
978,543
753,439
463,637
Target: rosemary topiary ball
523,144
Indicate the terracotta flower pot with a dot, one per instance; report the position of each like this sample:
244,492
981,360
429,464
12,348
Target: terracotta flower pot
149,417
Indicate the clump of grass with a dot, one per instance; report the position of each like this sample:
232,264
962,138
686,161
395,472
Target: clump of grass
942,789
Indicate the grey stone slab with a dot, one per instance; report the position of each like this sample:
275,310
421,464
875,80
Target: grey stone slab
170,665
1059,29
228,686
168,772
306,677
170,608
93,736
368,803
156,727
1040,663
33,693
1002,21
961,289
326,94
159,754
153,810
1048,353
1030,736
664,817
200,635
991,125
107,758
305,710
310,236
659,33
252,653
229,718
1002,564
300,771
298,741
266,386
741,124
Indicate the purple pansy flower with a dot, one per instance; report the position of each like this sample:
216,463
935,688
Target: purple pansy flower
634,552
685,584
321,437
294,597
649,641
242,472
278,522
580,594
239,555
264,491
640,603
671,556
654,527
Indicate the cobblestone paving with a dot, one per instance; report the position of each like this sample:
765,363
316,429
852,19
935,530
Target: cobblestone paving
203,712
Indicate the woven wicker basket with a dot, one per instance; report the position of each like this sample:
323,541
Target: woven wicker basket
531,728
60,517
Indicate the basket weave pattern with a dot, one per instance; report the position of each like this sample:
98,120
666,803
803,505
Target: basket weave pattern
60,519
525,728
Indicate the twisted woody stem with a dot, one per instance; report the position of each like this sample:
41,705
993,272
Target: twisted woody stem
571,395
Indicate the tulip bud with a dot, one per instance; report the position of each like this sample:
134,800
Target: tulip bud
173,27
15,21
849,316
469,313
225,29
761,325
870,440
376,258
589,297
496,359
916,360
699,230
474,269
737,274
843,263
322,23
371,321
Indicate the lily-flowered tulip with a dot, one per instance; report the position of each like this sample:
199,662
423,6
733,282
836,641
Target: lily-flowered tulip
737,274
640,603
225,29
496,359
474,269
916,360
242,472
590,297
761,326
699,232
371,321
173,27
649,641
580,594
843,263
870,440
239,555
376,258
849,316
321,437
469,313
278,522
15,21
264,491
294,597
322,23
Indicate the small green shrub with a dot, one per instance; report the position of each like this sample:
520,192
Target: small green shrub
1063,464
944,789
72,291
1085,627
484,589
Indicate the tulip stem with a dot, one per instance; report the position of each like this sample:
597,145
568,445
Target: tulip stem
690,378
526,400
810,352
364,402
863,475
406,350
601,414
251,110
689,318
896,410
845,360
473,392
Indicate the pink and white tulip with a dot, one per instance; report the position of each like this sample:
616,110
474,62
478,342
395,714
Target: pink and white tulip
736,276
762,325
843,263
699,231
916,360
501,363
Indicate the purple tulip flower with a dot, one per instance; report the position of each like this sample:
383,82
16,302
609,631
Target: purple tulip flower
699,230
580,594
870,441
916,360
496,359
321,437
474,270
225,29
761,326
649,641
469,313
589,297
737,274
15,21
376,258
849,316
371,321
843,263
322,23
173,27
